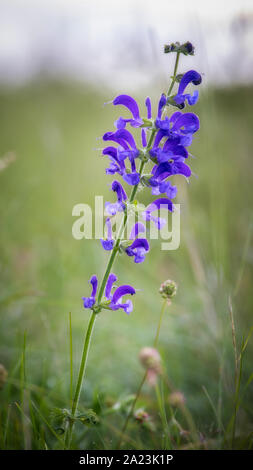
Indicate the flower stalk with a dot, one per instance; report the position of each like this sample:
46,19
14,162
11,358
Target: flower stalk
168,160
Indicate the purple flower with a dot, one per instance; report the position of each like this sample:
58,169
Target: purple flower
164,170
140,246
116,165
154,206
136,229
119,206
138,249
116,297
131,104
88,302
189,77
177,126
170,150
108,243
127,149
165,187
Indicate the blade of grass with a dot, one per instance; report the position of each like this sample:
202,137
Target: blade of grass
71,358
48,424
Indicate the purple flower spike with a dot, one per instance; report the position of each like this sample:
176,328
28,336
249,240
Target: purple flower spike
131,104
118,294
88,302
136,229
189,77
138,249
109,242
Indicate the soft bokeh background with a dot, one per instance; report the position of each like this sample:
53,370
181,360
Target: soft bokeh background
59,62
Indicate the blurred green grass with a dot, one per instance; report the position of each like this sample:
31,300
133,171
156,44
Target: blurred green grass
53,130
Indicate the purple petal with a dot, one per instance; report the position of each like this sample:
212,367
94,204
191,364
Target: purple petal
113,208
126,136
88,302
131,178
94,282
136,229
118,188
192,99
159,136
115,138
111,151
140,243
166,187
128,102
175,149
121,123
111,279
149,109
109,228
162,103
107,244
180,168
188,77
187,123
144,138
121,291
163,124
157,204
158,221
127,306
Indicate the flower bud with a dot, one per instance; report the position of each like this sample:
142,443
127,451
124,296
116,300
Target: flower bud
176,398
150,359
3,375
186,48
168,289
141,415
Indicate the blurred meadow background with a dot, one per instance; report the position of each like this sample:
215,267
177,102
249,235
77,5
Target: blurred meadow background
59,63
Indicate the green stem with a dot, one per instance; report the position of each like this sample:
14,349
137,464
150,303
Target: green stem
86,347
160,322
160,401
174,75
